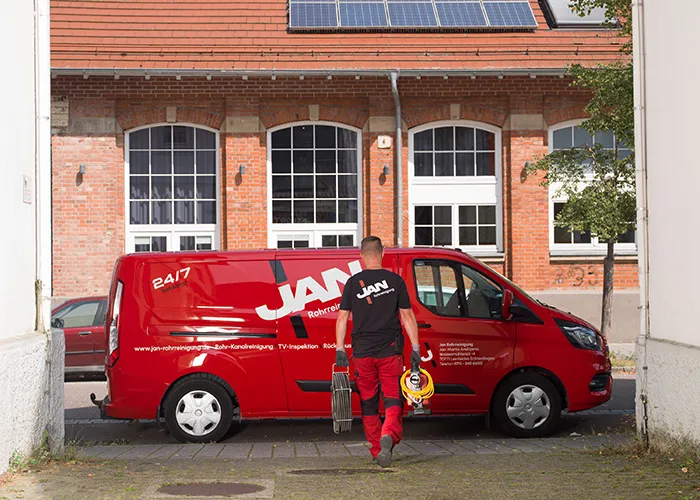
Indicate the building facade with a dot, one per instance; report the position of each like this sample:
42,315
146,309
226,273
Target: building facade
668,347
257,125
31,356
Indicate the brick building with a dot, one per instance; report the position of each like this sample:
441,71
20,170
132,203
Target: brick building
274,124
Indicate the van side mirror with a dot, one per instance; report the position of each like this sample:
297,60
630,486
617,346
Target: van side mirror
506,304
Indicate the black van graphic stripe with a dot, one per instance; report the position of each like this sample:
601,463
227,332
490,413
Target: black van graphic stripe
278,271
325,386
237,335
299,327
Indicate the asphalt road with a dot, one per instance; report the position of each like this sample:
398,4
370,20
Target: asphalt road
79,407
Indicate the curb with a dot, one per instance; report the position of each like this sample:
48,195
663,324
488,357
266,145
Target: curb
627,370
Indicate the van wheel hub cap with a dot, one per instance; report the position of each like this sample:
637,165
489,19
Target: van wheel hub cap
198,413
528,407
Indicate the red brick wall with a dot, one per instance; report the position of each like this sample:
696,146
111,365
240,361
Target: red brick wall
89,219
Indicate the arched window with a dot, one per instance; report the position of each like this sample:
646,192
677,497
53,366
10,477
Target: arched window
569,135
455,186
172,188
314,186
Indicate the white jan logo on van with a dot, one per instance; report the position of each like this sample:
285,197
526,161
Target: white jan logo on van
309,290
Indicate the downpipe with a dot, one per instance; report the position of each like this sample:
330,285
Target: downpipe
639,65
399,160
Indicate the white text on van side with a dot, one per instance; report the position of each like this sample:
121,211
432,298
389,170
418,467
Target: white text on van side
309,290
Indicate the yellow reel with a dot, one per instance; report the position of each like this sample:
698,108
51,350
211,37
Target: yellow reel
417,395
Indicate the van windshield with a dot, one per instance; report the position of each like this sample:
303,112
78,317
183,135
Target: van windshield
516,287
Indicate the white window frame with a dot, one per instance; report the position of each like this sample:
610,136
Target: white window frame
595,247
172,231
315,231
458,182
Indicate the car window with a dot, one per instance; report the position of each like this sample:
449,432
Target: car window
437,287
483,295
101,314
80,315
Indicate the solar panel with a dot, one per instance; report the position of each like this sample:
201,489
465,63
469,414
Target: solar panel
415,14
456,14
312,15
410,14
510,14
363,14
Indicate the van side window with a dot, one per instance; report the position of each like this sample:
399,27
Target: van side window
437,288
483,295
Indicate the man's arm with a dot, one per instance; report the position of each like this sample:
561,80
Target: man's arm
410,325
341,327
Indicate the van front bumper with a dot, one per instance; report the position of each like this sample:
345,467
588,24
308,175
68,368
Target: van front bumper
597,391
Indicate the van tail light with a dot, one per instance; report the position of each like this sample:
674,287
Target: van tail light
114,325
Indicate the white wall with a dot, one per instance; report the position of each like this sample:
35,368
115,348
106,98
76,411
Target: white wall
31,362
17,132
667,104
672,108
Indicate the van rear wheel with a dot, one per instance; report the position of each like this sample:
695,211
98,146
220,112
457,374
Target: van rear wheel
527,405
198,410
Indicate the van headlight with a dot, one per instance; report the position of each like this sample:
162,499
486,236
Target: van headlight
580,336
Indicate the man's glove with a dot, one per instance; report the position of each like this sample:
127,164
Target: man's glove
341,358
415,358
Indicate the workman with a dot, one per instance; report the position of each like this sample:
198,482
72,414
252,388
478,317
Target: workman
377,297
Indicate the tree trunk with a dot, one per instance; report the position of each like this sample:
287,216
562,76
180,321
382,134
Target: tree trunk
608,275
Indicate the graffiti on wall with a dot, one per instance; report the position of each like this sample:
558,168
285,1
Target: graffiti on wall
577,275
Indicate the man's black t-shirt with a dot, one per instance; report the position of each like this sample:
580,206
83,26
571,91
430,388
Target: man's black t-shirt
375,296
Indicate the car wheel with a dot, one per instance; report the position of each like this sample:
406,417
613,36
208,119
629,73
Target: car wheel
527,405
198,410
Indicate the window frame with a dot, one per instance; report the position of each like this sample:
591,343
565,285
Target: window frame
595,247
456,267
459,182
315,231
172,231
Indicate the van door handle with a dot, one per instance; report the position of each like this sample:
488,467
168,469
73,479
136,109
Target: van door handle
83,333
424,325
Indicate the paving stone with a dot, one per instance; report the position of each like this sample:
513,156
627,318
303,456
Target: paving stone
488,447
453,448
209,451
524,445
115,451
404,449
140,451
236,450
428,449
358,449
261,450
283,450
306,450
166,451
187,451
95,451
332,450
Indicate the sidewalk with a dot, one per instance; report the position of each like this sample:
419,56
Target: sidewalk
508,469
308,449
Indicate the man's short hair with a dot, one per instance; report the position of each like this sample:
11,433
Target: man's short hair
371,244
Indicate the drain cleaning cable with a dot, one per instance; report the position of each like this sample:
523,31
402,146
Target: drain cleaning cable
420,394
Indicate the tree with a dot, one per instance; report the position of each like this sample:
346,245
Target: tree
599,183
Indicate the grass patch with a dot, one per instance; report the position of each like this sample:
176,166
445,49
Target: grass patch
623,360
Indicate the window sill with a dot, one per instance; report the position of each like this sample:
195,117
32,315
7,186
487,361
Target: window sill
489,257
590,256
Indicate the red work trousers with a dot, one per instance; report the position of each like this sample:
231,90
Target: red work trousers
370,374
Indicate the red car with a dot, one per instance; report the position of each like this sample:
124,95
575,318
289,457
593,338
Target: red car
83,323
202,339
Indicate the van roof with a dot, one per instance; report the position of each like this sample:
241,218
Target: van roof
263,254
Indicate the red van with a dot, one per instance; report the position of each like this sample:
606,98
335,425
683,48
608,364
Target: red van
203,339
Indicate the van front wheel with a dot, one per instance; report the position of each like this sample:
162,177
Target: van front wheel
527,405
198,410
